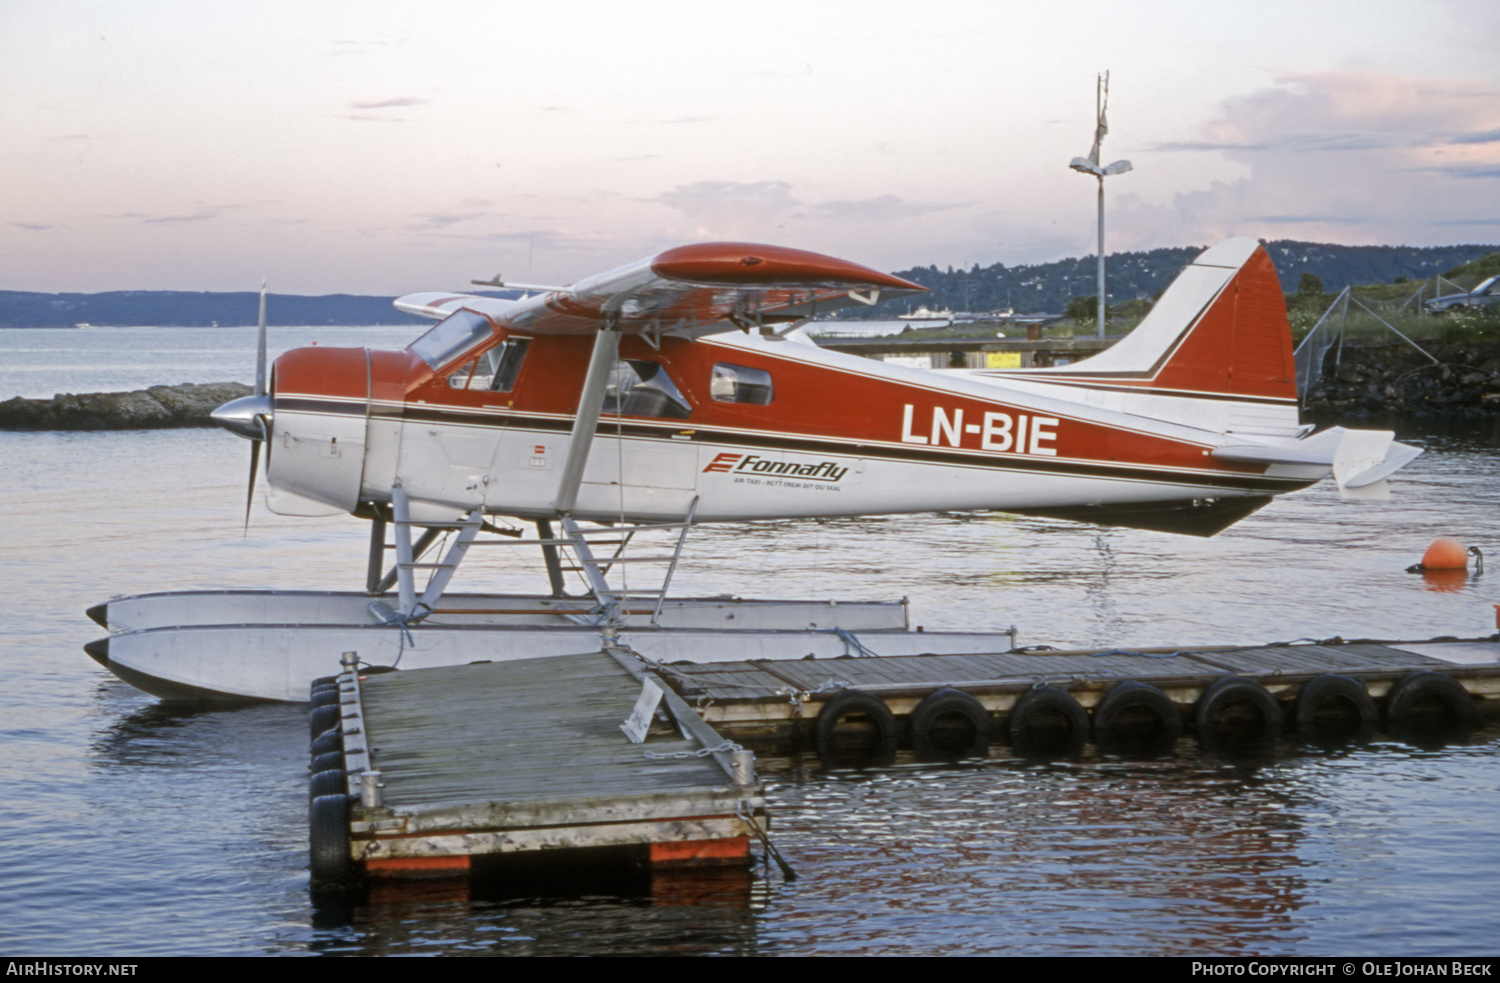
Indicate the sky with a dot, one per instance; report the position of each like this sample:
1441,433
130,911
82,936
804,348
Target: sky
385,147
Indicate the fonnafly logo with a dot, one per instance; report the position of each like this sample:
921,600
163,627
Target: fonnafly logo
753,464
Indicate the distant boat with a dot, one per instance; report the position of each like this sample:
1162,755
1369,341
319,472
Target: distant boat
923,317
83,324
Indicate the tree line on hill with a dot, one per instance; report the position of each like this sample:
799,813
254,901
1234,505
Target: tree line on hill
1027,288
1049,287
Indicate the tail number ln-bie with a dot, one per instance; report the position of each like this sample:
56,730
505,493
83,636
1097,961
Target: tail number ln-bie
1019,433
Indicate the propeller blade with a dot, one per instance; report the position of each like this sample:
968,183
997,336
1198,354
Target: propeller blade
257,420
260,351
250,492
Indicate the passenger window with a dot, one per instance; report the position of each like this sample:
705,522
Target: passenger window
640,388
740,384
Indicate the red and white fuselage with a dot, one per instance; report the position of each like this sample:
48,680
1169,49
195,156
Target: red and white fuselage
760,426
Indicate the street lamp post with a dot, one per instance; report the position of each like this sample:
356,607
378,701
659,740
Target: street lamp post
1090,165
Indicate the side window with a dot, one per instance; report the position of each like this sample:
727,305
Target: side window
740,384
641,388
507,357
495,370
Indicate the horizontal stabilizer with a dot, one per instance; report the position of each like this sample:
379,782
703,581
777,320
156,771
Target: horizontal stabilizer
1397,456
1315,450
1360,459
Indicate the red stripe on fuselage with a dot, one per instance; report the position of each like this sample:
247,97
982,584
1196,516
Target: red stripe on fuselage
829,403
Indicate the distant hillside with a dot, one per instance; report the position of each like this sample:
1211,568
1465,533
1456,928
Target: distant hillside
1043,287
1049,286
172,308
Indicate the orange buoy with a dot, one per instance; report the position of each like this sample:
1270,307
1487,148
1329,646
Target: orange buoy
1445,554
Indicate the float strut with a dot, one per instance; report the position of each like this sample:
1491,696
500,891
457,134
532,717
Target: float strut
549,554
377,554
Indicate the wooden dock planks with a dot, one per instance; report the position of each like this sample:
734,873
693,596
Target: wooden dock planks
529,755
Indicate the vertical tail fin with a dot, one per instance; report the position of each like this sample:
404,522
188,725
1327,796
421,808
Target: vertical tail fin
1220,329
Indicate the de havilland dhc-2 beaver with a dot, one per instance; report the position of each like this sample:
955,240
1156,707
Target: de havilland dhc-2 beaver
680,390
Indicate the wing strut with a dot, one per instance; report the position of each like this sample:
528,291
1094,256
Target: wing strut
590,403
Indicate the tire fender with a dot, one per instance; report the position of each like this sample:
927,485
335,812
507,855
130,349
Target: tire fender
1332,705
1134,714
1412,701
333,781
1233,709
321,718
879,748
972,741
1047,720
328,838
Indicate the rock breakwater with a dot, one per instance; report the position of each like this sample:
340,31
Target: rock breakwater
1399,381
184,405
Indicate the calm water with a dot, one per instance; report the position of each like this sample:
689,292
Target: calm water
128,827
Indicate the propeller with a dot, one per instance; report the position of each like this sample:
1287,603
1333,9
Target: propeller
250,416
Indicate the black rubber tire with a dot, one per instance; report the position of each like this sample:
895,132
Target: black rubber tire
1047,721
327,761
1334,708
324,681
323,696
328,843
1233,710
1136,717
950,723
333,781
322,718
1429,702
330,740
876,744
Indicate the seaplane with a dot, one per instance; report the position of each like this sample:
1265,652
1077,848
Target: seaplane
679,390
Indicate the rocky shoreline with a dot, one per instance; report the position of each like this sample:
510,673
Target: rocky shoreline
1399,381
160,407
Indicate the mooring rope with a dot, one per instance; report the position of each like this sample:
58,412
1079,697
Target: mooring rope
742,811
1143,655
849,638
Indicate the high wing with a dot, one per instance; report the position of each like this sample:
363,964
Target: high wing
688,292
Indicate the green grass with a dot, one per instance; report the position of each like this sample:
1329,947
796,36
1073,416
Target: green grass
1484,266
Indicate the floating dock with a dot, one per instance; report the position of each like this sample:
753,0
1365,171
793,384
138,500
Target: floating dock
422,772
1067,697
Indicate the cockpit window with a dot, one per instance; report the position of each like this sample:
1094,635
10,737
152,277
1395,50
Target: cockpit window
450,336
641,388
740,384
495,370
